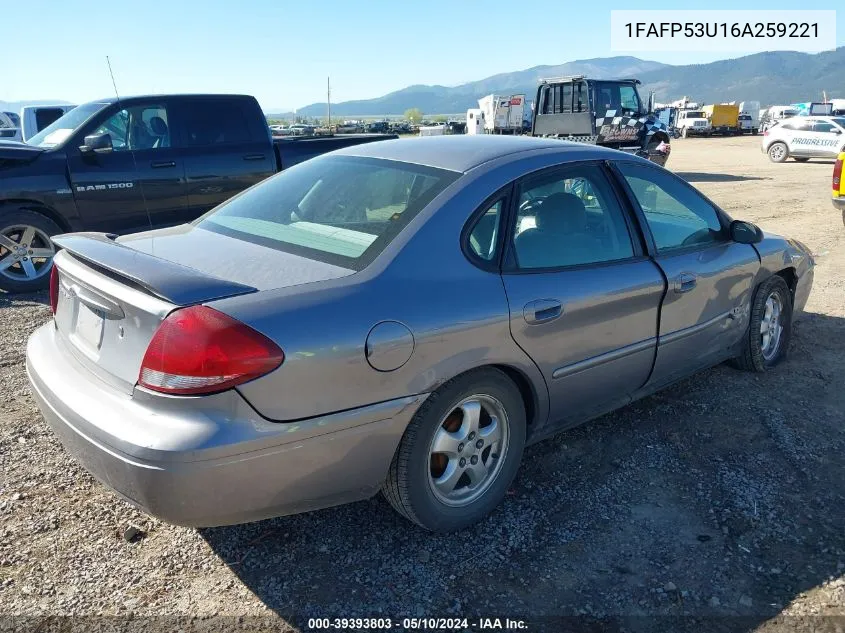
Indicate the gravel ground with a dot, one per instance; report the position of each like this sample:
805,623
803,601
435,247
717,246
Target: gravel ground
720,500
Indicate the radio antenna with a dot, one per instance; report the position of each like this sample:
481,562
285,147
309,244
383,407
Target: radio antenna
131,149
113,82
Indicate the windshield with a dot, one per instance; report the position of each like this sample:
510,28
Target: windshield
840,121
618,96
58,131
336,209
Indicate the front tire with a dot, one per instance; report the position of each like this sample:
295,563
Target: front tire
778,152
26,251
460,452
770,327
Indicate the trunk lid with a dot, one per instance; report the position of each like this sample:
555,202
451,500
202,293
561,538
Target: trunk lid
112,299
114,292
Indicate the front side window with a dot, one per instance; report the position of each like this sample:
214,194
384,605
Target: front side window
677,215
569,217
137,128
337,209
823,126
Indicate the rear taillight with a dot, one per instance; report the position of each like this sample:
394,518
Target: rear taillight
54,288
837,174
199,350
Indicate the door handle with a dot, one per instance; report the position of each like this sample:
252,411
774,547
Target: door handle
254,157
542,311
162,163
685,282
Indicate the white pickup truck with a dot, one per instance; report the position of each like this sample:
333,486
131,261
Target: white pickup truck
31,120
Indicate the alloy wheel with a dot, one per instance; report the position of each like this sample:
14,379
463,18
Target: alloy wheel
26,253
771,326
468,450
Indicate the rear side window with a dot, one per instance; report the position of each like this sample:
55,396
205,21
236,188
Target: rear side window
214,122
46,116
798,125
569,217
337,209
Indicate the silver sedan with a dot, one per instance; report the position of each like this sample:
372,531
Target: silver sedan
403,316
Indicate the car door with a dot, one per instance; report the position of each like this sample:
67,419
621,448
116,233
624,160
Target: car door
226,148
798,136
140,182
583,296
828,138
707,305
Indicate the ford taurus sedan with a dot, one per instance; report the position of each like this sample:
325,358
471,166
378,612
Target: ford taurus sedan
403,316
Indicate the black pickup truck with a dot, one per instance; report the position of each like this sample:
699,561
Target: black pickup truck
132,164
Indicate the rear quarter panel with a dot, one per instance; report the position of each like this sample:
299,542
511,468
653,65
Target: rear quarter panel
458,315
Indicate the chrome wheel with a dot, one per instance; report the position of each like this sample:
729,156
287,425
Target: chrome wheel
771,326
468,450
26,253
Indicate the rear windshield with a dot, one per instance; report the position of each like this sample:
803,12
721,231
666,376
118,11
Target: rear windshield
337,209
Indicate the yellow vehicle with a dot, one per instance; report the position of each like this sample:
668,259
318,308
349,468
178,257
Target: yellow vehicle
723,117
839,185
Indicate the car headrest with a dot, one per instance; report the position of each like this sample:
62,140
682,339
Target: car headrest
158,126
562,213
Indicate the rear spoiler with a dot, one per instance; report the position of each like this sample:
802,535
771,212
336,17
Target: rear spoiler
166,280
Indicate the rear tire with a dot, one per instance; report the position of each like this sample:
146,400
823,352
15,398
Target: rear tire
767,340
438,490
21,269
778,152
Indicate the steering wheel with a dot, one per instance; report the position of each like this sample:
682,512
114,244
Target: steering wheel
531,203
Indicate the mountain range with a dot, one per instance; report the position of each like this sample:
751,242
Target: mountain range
771,78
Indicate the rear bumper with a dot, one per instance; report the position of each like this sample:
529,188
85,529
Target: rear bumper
207,461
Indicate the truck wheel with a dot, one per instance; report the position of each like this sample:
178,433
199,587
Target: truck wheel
778,152
26,252
754,132
460,452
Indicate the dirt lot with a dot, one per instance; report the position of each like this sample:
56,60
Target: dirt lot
718,498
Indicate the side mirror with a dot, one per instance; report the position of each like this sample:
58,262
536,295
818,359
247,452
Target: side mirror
100,143
745,232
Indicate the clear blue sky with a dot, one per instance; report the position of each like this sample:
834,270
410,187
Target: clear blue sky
282,51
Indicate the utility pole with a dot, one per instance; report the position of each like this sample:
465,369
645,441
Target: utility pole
329,102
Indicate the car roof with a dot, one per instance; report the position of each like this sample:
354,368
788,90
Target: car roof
462,152
132,98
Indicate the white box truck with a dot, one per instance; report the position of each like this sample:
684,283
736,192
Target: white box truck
475,121
502,114
749,116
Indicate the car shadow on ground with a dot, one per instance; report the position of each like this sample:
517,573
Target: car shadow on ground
712,505
695,176
12,300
